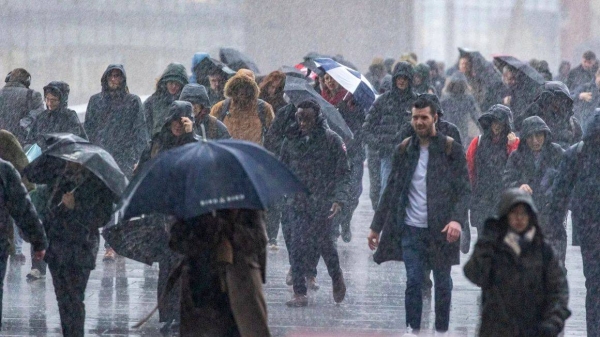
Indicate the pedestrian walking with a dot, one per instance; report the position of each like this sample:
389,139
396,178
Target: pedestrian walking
584,72
459,106
197,95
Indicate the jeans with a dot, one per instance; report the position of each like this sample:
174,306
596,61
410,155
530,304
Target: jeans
415,242
590,253
386,169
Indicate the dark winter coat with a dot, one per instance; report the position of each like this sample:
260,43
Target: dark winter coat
566,129
115,121
320,162
16,102
388,114
214,128
425,87
521,167
579,76
354,118
578,181
584,110
156,107
73,235
459,108
448,194
284,119
61,120
16,204
485,82
522,295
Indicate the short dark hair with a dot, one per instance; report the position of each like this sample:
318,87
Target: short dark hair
426,100
310,104
589,55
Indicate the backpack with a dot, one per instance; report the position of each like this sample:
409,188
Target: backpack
448,148
262,115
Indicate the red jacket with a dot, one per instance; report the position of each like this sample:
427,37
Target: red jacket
473,150
337,98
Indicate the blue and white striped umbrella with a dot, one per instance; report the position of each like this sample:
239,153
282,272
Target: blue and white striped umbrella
351,80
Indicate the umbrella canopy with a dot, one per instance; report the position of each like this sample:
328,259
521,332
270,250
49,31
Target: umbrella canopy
351,80
523,68
299,90
141,239
199,178
237,60
50,164
207,66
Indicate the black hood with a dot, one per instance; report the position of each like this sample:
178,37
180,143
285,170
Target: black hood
195,94
403,69
175,72
104,79
592,129
532,125
497,112
179,109
510,198
553,90
59,89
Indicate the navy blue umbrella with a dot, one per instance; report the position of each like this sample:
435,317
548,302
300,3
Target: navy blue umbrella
201,177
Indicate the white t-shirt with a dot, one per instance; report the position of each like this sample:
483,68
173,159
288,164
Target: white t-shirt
416,210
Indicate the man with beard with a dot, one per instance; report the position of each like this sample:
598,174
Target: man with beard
422,212
115,121
216,91
168,89
317,156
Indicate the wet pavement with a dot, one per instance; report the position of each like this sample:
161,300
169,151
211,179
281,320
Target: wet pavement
119,294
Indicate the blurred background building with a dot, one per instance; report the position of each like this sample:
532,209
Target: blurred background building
74,40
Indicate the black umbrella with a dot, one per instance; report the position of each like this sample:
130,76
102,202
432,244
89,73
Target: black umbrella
299,90
50,164
293,71
237,60
523,68
202,177
209,65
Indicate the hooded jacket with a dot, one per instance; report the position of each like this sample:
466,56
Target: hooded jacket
484,80
566,129
425,87
17,101
389,113
196,59
459,106
524,167
156,107
12,152
115,120
244,124
522,295
320,162
214,128
61,120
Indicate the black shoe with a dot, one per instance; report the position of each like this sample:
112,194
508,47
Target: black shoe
339,289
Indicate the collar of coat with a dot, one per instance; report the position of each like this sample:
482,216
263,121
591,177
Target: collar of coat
512,239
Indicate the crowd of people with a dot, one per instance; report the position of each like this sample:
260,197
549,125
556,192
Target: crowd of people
484,144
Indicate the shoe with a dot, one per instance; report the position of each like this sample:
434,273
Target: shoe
288,278
346,233
339,289
273,246
35,274
311,283
19,258
297,301
109,255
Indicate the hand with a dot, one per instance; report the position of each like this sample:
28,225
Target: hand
585,96
526,188
188,126
452,230
39,255
512,138
373,240
68,199
335,209
507,100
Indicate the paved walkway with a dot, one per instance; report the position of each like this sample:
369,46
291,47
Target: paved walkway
121,293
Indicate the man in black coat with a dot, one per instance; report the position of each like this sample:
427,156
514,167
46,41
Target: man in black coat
115,120
532,168
586,99
317,156
578,181
422,212
15,204
584,72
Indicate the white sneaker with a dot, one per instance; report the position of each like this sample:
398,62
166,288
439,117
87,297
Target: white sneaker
35,274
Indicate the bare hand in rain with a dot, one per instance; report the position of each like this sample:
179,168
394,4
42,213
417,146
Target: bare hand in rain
585,96
68,199
335,209
526,188
507,100
187,124
39,255
452,230
373,240
512,138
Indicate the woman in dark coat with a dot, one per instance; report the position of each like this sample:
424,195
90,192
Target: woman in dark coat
524,289
486,158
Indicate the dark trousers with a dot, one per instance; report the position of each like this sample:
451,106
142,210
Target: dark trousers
415,242
38,264
69,285
3,263
355,190
311,238
272,220
374,165
590,253
168,308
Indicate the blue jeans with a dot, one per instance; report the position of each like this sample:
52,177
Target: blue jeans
415,243
386,169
